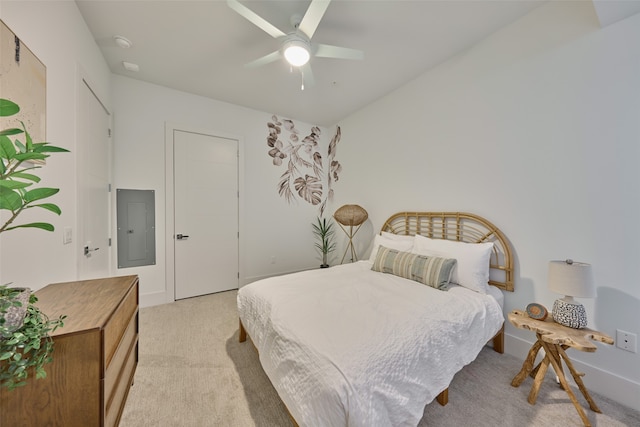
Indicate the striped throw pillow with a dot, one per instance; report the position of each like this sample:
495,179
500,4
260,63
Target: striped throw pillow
432,271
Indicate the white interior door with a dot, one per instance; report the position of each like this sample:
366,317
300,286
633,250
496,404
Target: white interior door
94,156
205,213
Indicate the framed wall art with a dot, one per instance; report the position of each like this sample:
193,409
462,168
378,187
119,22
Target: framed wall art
23,80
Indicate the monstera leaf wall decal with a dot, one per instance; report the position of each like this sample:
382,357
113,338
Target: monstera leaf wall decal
305,175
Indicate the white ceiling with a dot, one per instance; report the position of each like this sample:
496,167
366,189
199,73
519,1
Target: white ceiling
201,47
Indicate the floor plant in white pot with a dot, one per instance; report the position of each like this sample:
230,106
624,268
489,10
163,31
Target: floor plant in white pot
323,229
25,344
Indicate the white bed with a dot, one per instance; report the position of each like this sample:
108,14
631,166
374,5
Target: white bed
349,346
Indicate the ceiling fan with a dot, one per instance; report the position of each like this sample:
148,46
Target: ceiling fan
296,46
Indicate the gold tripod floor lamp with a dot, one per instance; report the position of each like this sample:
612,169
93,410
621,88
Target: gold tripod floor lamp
351,216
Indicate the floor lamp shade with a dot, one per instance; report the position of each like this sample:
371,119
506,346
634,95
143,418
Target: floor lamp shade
350,216
572,279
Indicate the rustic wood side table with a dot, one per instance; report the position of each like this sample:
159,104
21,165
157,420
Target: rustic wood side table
555,338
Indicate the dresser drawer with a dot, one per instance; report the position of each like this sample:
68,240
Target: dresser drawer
115,371
115,405
116,326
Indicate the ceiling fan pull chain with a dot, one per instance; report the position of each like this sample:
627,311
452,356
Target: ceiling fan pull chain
301,80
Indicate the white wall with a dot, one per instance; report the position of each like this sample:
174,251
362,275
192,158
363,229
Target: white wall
536,129
270,227
56,33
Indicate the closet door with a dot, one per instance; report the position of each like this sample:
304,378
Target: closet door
205,213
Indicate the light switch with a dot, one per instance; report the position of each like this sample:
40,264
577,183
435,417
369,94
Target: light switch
67,236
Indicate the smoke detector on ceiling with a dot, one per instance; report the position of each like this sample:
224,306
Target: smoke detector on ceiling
122,42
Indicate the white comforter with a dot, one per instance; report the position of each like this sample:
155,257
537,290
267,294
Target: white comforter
347,346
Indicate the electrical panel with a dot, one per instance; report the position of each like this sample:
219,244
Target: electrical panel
136,227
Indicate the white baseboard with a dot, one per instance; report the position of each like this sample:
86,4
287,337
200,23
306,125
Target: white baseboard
599,381
154,298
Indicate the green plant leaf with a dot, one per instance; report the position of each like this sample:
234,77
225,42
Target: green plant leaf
28,176
7,150
30,168
30,155
45,147
11,131
8,108
9,199
48,206
20,145
13,341
14,184
52,149
40,225
39,194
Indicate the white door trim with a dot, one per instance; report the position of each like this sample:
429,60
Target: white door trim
170,285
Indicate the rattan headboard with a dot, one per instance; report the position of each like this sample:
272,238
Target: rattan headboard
462,227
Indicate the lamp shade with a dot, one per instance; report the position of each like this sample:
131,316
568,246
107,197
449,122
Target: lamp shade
571,278
351,215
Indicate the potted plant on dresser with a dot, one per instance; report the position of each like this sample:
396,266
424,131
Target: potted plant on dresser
25,343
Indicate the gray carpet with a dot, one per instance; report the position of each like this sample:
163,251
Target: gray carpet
192,371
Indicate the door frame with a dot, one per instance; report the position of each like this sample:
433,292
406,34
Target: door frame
170,128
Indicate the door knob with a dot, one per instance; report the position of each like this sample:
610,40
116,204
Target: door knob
182,236
87,251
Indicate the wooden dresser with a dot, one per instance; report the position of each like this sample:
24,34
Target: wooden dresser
94,359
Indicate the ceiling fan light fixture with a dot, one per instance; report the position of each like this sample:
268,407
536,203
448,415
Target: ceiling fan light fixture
296,52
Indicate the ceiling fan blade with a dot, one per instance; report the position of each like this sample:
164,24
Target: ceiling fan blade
307,76
273,56
255,19
328,51
312,17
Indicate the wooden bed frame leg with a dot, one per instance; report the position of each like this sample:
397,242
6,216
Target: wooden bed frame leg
242,336
443,397
498,346
498,341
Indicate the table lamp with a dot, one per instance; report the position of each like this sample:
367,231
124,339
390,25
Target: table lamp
351,216
572,279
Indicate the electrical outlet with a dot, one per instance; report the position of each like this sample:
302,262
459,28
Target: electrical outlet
273,260
626,341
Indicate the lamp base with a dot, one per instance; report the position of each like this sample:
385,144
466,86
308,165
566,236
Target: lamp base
571,314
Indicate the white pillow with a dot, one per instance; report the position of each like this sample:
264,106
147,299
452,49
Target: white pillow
472,269
391,241
397,237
